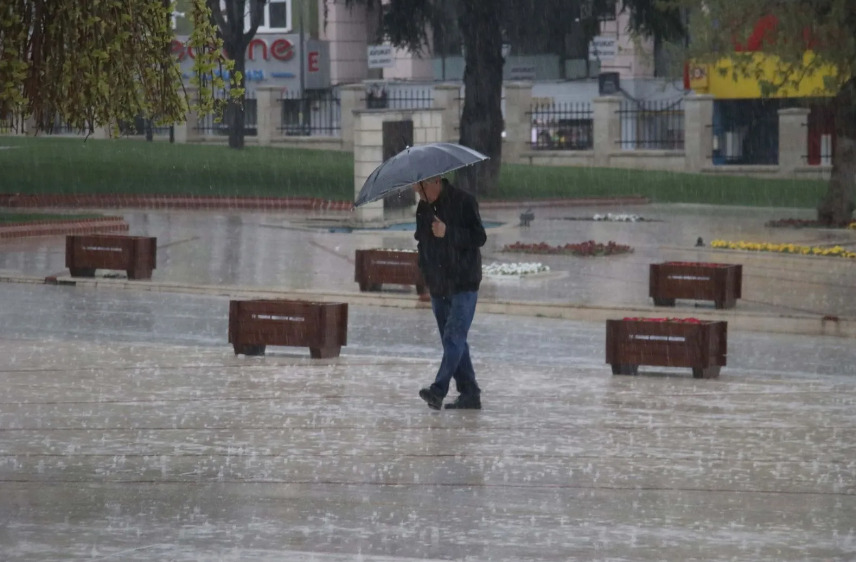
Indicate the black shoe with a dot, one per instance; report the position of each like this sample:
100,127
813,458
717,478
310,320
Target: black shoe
434,402
465,403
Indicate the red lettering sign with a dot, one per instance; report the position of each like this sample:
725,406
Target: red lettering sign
282,49
314,65
251,49
176,47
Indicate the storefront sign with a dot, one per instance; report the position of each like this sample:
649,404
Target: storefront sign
603,48
381,56
272,60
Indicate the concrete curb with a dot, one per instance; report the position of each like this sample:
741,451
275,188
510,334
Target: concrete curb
814,325
570,202
173,202
13,200
63,227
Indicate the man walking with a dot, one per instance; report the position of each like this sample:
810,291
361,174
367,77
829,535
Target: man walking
449,233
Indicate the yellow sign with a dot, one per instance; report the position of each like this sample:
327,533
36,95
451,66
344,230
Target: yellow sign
724,81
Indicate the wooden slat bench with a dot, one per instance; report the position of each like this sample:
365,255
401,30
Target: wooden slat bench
699,345
254,324
136,255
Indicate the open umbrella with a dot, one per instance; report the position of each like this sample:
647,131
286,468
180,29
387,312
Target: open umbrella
414,164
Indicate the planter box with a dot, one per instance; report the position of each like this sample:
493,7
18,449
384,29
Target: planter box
137,255
373,268
717,282
254,324
700,346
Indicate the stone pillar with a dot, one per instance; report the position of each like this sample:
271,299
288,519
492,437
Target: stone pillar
698,132
518,120
188,131
269,117
101,133
368,155
793,139
28,127
447,97
607,128
351,97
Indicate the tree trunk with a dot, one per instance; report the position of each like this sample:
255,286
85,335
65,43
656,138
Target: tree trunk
481,121
235,107
836,209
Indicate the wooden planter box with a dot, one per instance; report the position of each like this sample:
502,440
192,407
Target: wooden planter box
717,282
700,346
137,255
254,324
373,268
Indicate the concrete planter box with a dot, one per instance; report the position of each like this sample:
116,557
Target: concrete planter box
254,324
373,268
701,345
137,255
717,282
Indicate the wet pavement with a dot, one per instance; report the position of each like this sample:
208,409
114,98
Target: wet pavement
130,431
298,251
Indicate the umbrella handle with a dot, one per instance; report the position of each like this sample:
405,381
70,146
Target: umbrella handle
422,187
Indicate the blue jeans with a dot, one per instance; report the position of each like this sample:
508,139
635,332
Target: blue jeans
454,316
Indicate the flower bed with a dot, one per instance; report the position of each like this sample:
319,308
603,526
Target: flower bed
585,249
617,217
610,217
644,319
717,282
806,223
834,251
667,342
514,269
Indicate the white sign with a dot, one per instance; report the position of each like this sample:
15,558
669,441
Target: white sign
521,72
381,56
602,48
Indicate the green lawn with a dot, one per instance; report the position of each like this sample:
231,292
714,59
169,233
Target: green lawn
63,165
11,218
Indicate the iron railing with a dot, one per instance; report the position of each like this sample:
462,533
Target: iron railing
390,96
652,124
208,125
561,126
317,112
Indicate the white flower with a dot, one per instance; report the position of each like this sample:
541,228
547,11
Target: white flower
623,217
518,269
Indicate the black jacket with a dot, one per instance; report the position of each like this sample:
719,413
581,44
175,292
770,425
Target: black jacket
451,264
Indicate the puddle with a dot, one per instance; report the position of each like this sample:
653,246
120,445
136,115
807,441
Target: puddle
401,226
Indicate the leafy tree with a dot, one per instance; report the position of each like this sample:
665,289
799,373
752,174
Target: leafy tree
231,19
806,37
95,64
484,27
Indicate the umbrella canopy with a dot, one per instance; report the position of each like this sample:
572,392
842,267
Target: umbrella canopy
414,164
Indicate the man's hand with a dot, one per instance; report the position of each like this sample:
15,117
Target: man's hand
438,227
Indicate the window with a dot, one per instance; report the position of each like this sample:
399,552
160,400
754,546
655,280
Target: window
277,16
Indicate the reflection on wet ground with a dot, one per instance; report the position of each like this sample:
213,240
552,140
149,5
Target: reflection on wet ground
290,252
130,431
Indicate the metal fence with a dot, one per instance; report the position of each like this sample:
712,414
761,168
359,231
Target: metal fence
141,126
821,135
399,96
561,126
314,113
652,124
208,125
8,125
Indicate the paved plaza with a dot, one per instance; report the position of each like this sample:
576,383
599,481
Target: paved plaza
129,430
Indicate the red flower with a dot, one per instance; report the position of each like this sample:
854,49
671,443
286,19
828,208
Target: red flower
680,320
586,249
